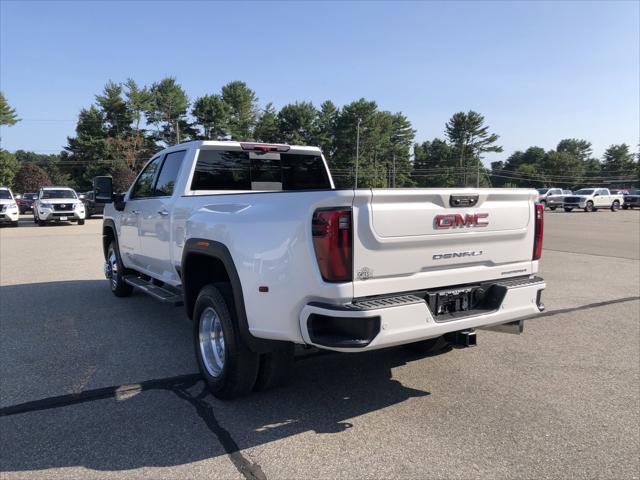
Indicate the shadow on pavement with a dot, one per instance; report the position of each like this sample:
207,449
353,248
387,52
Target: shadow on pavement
174,421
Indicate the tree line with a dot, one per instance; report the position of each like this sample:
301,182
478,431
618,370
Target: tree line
128,123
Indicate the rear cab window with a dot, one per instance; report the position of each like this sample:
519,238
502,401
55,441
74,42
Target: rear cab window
238,170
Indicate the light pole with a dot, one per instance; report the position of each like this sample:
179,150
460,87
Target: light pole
357,150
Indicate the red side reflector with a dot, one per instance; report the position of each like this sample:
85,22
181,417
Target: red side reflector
537,241
332,241
202,244
264,147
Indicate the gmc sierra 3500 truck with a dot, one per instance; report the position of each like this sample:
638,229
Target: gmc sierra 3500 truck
265,253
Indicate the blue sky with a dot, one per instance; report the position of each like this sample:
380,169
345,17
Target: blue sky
539,71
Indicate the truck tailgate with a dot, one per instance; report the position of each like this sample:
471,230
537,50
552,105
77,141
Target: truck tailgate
425,238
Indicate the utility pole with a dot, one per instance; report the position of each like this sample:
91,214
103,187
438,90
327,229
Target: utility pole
394,170
177,130
357,150
478,174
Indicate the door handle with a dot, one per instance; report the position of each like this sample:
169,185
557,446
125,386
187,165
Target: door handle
135,212
164,213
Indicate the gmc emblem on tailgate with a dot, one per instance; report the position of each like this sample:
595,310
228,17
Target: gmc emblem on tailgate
453,220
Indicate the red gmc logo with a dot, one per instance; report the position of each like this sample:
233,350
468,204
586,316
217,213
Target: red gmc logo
453,220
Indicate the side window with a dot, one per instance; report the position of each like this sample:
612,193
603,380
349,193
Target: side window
144,184
168,174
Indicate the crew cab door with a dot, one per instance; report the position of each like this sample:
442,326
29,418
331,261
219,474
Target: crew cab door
603,198
140,193
154,226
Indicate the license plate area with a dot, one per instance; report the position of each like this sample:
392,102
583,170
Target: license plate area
452,304
63,218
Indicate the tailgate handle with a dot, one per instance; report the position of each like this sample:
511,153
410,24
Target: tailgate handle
463,200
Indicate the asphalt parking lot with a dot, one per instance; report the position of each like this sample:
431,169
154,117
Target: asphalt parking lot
93,386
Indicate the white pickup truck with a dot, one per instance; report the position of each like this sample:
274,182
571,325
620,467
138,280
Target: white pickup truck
591,199
265,253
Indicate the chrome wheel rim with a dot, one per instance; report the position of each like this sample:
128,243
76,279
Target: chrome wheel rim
111,269
211,340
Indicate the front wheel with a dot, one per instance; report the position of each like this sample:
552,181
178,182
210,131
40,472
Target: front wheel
81,221
625,207
568,209
228,367
114,271
552,208
615,206
14,224
589,207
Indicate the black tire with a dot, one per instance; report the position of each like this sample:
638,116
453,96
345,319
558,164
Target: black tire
41,223
15,224
589,207
430,346
625,207
275,368
615,206
552,208
568,209
237,376
119,287
35,219
81,221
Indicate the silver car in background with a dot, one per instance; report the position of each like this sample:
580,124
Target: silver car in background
557,200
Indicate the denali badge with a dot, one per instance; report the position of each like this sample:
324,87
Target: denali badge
472,253
452,220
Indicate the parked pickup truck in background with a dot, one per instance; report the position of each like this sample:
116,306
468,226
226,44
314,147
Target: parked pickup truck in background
545,193
632,199
590,199
556,200
265,253
91,208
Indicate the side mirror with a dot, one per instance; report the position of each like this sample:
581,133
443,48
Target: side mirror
103,189
118,201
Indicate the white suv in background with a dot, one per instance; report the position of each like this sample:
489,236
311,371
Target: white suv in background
58,204
9,212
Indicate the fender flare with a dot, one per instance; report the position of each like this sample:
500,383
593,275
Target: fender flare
219,251
108,222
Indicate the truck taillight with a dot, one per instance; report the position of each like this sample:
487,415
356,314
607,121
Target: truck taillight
539,230
332,241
